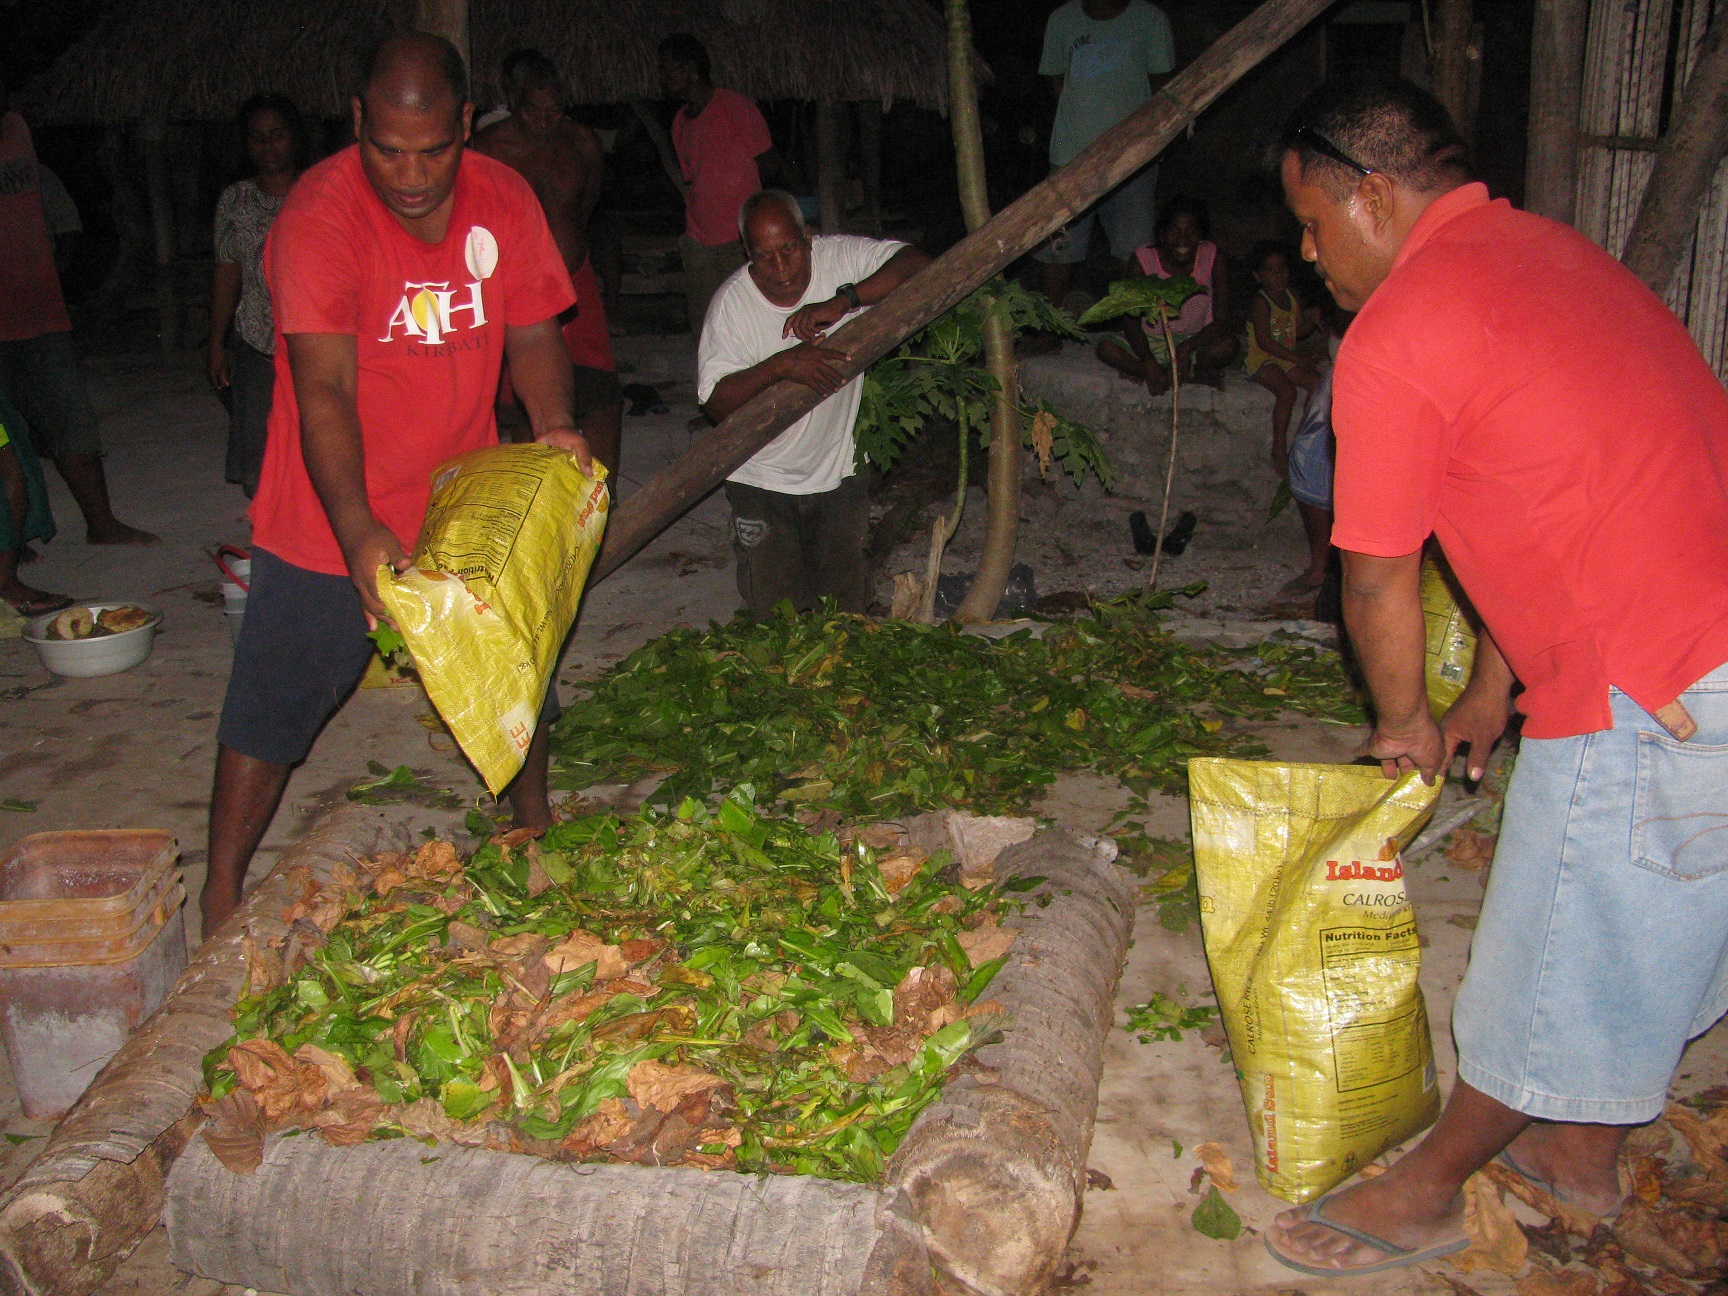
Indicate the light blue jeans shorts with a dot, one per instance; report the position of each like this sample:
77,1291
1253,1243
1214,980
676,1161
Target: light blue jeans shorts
1603,942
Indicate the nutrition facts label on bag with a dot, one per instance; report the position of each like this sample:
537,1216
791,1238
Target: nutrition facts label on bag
1376,1030
477,536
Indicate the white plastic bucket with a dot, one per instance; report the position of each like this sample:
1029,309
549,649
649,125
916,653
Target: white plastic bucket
236,580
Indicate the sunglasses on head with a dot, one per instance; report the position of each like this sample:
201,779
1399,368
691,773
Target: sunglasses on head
1309,137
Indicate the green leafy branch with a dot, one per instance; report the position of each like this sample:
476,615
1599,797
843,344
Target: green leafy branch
938,374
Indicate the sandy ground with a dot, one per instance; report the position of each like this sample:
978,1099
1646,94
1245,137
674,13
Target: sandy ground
135,750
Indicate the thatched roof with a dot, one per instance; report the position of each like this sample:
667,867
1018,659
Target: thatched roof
201,59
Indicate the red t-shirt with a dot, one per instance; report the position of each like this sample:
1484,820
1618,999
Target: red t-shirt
429,322
1514,390
30,300
717,152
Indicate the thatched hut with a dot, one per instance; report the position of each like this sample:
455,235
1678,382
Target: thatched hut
167,58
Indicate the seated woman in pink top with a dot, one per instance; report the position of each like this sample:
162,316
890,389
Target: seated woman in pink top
1204,341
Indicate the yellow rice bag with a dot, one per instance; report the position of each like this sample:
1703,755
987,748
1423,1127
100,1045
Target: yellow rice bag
1450,649
1313,950
498,571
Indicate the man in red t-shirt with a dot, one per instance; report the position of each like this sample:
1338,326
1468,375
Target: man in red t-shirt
1510,389
401,270
723,149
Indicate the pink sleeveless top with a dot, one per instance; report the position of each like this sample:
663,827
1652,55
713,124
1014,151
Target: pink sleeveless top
1197,310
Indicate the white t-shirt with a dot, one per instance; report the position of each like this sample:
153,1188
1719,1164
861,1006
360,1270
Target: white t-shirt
743,329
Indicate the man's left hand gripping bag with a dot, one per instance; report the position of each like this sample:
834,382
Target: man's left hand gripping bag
498,572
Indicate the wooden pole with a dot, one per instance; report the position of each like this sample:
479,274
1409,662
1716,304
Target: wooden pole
1002,523
1556,95
1452,60
830,164
153,137
1691,153
446,18
1100,167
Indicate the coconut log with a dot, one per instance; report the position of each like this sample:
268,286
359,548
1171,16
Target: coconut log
996,1167
97,1188
986,1187
1015,230
386,1218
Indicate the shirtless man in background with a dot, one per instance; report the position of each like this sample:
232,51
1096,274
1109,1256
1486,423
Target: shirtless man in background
562,160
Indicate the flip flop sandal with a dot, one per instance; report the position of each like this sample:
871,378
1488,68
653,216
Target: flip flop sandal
1505,1160
41,606
1397,1257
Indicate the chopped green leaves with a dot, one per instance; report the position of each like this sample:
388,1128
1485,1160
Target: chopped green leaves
830,712
1162,1018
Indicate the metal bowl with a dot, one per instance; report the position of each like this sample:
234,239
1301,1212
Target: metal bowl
103,655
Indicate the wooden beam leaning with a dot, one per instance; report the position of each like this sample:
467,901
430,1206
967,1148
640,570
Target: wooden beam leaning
1015,230
1686,163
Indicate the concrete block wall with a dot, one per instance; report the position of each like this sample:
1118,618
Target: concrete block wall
1223,456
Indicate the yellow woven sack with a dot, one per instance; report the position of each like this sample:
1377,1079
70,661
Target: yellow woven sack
498,571
1314,955
1450,648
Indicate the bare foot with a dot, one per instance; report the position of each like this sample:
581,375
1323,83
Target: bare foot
1580,1161
28,601
1306,583
1213,378
118,533
1390,1211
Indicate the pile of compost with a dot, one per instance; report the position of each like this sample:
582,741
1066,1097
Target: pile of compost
714,989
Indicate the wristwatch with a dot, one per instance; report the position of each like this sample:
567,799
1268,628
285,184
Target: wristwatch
850,293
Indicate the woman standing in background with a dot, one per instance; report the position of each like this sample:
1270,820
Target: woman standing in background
276,142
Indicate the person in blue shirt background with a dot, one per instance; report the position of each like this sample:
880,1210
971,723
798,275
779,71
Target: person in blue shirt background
1102,59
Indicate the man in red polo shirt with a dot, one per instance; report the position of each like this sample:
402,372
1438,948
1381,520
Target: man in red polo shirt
402,270
1512,390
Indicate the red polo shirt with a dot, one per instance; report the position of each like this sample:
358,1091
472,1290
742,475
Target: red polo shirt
1514,390
428,322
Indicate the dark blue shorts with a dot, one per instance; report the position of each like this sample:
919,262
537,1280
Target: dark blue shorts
302,651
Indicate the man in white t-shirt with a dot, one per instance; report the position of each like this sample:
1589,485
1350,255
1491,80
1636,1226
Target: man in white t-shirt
800,509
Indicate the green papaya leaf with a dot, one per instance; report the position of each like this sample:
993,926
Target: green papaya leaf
1145,297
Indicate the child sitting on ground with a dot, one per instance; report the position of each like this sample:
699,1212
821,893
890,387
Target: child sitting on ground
1276,322
1204,344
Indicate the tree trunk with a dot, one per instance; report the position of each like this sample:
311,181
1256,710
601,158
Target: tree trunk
386,1218
153,136
1452,60
446,18
1692,150
1002,525
96,1190
870,161
1015,230
1556,92
830,165
662,145
997,1166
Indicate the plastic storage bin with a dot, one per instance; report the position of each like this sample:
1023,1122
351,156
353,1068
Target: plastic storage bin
92,938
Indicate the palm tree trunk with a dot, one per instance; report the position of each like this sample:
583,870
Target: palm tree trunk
1002,525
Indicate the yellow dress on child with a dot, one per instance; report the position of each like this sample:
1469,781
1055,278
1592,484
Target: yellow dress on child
1283,333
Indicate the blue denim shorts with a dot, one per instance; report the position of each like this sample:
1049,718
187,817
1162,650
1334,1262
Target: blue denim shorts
1129,213
1311,450
1603,942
